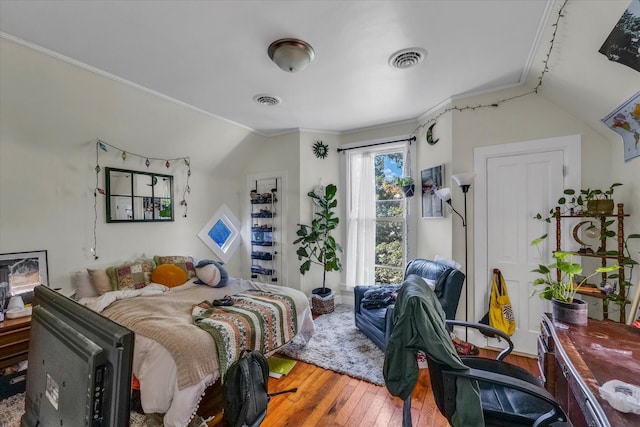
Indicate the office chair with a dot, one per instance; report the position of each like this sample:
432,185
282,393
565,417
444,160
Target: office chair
508,395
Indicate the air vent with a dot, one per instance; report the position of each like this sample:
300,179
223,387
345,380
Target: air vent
407,58
267,100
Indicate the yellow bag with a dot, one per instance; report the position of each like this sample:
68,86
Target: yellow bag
500,310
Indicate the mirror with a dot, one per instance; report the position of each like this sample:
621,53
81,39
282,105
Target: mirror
134,196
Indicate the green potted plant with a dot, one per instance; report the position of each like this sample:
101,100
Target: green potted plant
584,202
317,246
407,184
561,292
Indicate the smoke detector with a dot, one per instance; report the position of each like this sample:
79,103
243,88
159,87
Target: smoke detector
407,58
268,100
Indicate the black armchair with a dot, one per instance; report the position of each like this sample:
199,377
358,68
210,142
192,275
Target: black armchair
377,323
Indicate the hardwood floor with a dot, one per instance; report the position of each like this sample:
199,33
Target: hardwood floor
326,398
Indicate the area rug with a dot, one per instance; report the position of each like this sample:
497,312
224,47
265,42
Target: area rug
12,408
339,346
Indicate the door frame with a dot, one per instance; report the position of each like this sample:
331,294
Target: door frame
570,145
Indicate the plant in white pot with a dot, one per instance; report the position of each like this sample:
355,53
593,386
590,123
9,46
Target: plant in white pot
562,292
316,245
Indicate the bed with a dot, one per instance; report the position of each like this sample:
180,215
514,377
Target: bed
175,360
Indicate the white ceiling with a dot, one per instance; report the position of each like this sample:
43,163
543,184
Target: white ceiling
212,55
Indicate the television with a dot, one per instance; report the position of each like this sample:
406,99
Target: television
79,371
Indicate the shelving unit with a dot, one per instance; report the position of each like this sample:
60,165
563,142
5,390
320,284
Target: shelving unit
264,242
592,290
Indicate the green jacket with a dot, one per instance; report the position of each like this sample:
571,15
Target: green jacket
419,324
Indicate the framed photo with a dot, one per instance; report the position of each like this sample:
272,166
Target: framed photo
431,178
23,271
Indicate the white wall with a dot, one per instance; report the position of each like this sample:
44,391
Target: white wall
51,114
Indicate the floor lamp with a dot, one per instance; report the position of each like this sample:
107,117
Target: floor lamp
464,180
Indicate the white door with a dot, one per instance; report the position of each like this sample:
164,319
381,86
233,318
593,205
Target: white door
518,185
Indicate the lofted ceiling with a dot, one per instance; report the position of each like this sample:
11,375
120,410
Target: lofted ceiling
212,55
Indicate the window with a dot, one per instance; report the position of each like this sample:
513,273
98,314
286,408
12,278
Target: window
222,233
376,244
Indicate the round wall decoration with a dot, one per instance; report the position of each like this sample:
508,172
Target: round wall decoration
320,150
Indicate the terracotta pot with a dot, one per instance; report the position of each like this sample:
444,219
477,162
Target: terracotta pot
600,206
569,312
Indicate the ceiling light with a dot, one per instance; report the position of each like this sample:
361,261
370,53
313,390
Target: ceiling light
292,55
268,100
407,58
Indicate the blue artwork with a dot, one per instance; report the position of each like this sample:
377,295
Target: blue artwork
220,233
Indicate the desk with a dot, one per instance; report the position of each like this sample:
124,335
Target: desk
574,362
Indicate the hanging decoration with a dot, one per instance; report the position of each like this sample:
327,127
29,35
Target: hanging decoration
496,104
429,136
320,149
102,146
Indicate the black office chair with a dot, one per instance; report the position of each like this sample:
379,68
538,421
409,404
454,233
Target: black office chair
505,394
510,395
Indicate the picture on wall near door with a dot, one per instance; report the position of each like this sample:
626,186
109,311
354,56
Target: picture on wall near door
431,181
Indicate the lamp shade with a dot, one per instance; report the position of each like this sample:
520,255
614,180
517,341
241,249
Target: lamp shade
444,194
291,55
464,178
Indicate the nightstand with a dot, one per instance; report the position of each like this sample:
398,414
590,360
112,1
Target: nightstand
14,340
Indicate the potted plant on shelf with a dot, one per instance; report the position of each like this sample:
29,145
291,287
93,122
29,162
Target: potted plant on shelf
583,202
407,184
565,308
317,246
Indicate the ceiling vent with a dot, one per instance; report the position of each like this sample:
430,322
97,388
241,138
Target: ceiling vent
268,100
407,58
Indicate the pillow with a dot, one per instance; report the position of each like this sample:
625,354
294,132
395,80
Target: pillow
169,275
100,280
81,282
211,273
446,261
135,275
184,262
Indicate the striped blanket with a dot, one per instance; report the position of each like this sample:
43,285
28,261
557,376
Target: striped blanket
257,320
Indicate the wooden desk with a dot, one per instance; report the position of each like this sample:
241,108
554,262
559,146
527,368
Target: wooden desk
574,363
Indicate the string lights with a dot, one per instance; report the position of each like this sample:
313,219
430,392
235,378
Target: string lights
545,69
102,146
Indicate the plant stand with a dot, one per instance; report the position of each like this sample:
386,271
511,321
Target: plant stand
323,304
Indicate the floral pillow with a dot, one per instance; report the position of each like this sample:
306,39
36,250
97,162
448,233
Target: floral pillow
135,275
185,262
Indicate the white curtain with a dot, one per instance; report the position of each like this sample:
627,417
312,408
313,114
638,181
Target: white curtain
361,224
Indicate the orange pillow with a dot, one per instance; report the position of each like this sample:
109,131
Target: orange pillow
169,275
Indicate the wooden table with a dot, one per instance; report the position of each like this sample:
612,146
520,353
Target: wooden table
575,361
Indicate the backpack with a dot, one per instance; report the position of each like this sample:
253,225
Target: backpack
245,390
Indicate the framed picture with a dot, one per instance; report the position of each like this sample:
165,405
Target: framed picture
431,181
23,271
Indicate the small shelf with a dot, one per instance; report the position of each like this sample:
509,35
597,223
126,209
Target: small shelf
603,221
263,201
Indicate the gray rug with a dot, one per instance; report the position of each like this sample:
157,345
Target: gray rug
12,408
339,346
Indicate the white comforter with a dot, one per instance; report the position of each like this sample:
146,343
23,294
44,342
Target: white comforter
154,366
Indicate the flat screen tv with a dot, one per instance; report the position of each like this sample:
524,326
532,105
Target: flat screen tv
79,370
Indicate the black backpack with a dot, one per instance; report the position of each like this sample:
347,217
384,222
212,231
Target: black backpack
245,390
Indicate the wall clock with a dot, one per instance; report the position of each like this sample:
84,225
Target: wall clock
320,150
